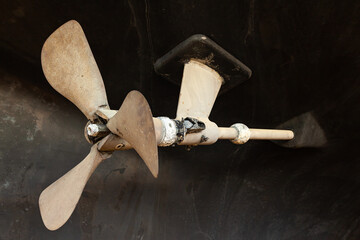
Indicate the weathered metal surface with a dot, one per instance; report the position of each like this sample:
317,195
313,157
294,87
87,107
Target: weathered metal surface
134,123
243,133
70,68
58,201
169,132
304,57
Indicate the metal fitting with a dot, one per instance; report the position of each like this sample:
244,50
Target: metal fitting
174,131
95,131
169,132
243,133
92,130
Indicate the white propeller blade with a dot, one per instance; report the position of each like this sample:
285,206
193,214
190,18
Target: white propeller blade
134,123
70,68
58,201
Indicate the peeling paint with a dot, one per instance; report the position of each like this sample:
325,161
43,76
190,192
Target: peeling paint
9,119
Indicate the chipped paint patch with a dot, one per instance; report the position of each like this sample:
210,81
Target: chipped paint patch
9,119
5,185
29,135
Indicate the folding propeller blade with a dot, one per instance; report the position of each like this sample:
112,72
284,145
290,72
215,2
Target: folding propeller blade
58,201
134,123
199,88
70,68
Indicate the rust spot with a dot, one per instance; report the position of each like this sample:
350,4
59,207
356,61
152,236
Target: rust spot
203,139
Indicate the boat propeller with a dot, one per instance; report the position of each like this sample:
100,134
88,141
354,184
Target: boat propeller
70,68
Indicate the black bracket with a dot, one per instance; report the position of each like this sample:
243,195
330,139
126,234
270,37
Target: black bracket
203,49
187,126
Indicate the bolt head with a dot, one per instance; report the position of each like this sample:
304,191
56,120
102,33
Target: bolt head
92,130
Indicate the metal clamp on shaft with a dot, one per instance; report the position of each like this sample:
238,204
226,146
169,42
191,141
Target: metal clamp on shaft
174,131
169,132
243,133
